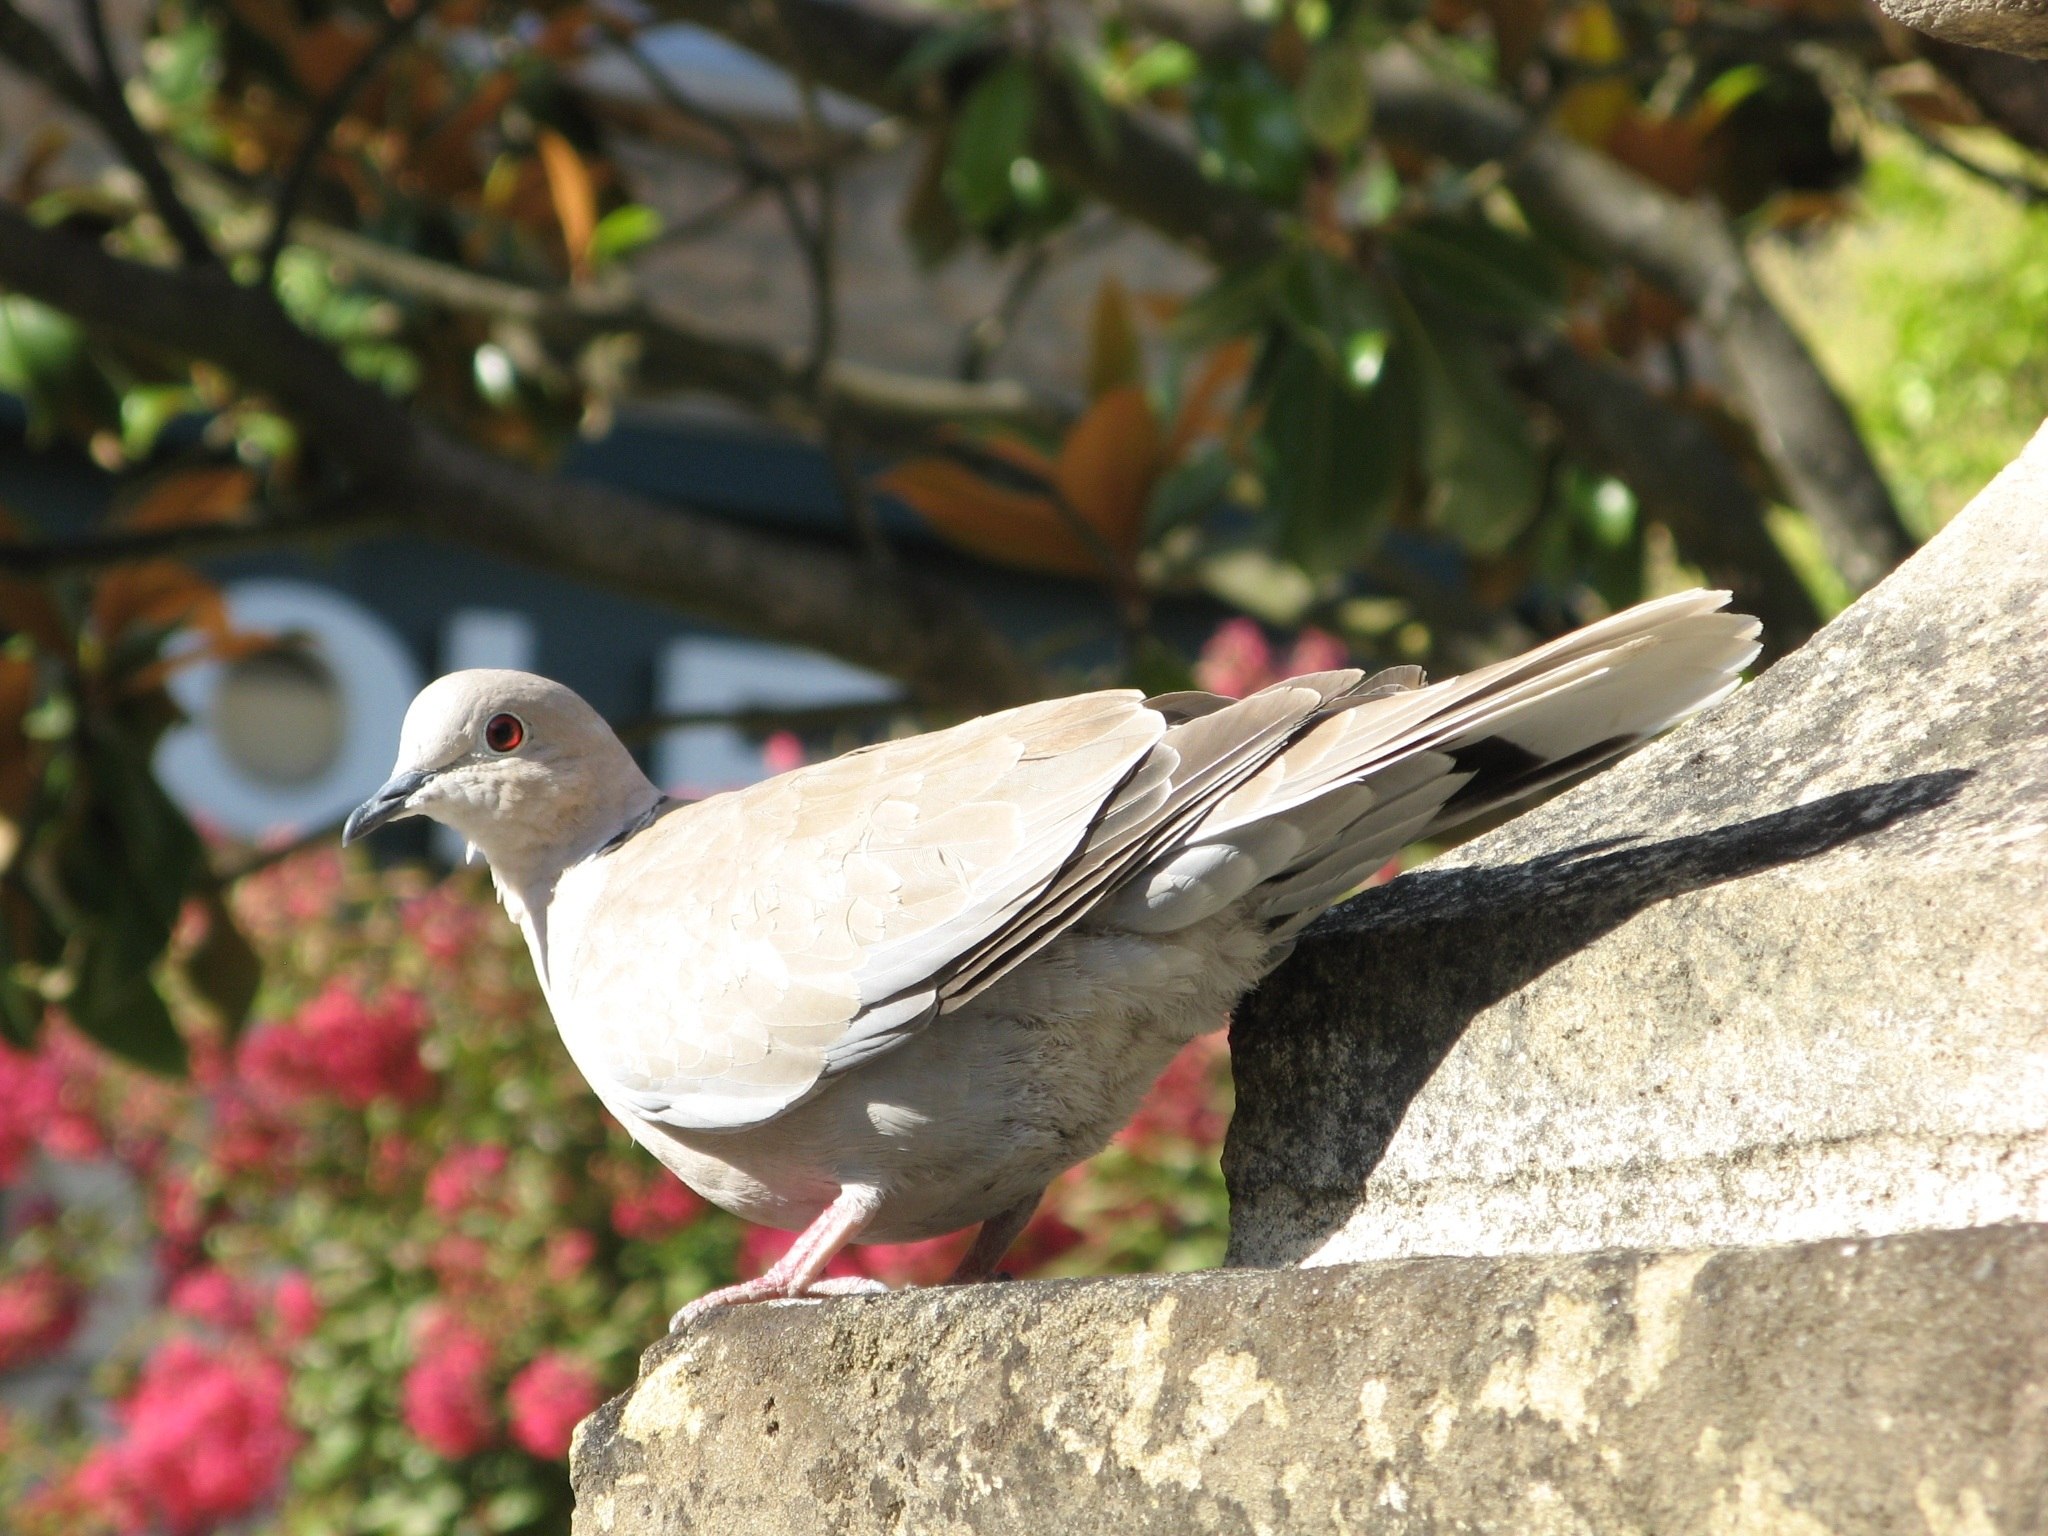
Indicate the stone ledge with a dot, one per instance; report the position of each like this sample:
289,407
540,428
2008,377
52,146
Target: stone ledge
2008,26
1899,1384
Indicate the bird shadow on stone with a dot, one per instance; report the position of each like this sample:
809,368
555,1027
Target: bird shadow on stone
1332,1050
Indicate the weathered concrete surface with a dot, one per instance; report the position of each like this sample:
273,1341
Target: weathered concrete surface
2010,26
1782,976
1852,1388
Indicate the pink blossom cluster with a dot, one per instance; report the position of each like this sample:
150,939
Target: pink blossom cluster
654,1206
446,1397
343,1046
547,1400
1186,1105
288,1309
40,1306
444,922
47,1100
1238,659
466,1177
203,1438
450,1407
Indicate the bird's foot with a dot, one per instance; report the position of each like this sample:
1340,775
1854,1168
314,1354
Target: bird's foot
772,1287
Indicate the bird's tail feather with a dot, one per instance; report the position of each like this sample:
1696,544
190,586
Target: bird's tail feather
1386,761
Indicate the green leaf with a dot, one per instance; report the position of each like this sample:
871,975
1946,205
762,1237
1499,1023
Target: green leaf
37,344
1335,102
1238,301
21,1008
939,51
224,969
988,138
146,411
119,1007
1336,310
1160,67
1481,267
623,231
1485,478
1189,489
1250,134
1333,458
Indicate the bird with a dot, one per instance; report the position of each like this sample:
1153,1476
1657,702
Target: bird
896,993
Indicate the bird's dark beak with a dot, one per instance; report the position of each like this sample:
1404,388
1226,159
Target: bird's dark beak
388,804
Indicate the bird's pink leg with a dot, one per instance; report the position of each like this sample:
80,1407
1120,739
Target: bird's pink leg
797,1272
993,1241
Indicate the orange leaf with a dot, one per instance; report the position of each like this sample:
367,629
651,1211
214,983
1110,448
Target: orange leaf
190,497
162,594
1107,468
562,38
323,55
574,194
1019,454
1114,358
1199,416
445,161
1010,527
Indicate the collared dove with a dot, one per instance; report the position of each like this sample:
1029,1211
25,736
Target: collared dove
896,994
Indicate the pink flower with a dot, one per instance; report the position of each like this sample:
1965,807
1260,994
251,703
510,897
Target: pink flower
1238,659
248,1137
568,1254
203,1440
1315,650
1040,1243
48,1100
341,1046
462,1264
446,1397
782,751
547,1400
39,1311
465,1177
181,1217
1187,1103
444,923
660,1206
291,893
296,1307
210,1294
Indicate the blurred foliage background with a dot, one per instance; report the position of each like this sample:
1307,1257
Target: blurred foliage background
1295,332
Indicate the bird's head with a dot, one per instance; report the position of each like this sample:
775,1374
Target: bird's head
518,765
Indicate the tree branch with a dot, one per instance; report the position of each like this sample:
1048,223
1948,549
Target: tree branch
110,109
885,409
300,174
803,594
343,516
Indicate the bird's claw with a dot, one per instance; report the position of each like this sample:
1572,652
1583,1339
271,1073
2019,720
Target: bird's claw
768,1289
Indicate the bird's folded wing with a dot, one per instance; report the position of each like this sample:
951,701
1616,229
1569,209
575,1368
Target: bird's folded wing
744,947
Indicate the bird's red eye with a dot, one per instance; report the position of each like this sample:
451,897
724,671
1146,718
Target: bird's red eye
504,733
